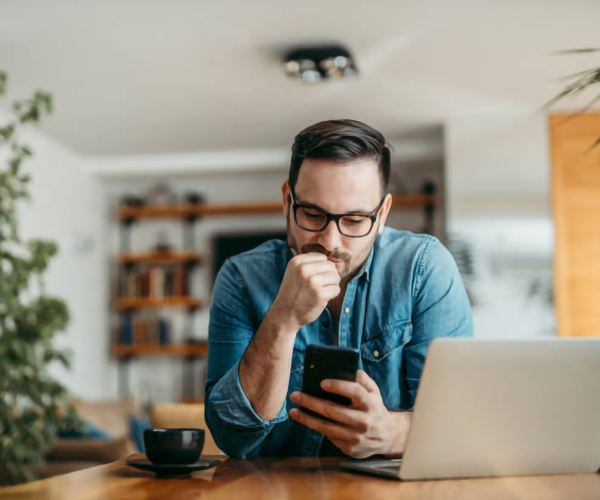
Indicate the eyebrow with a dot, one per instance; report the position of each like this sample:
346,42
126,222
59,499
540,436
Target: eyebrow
313,205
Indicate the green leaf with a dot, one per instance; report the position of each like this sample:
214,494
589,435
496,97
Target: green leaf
594,145
578,74
589,79
50,356
7,131
576,51
14,163
3,80
43,99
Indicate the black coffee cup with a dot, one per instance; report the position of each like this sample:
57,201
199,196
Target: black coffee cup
173,446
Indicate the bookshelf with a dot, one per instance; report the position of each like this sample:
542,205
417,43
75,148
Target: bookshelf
148,283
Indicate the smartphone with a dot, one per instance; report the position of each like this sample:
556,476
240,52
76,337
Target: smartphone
325,362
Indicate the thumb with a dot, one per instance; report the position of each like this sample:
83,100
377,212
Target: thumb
294,251
367,382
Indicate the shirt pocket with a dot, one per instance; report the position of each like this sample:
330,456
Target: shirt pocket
384,344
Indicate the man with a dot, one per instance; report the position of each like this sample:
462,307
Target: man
342,278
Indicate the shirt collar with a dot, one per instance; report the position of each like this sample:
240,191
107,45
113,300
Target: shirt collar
366,268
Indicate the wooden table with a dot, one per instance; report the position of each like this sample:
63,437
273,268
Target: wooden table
294,478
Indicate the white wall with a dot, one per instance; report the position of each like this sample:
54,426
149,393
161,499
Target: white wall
68,207
498,200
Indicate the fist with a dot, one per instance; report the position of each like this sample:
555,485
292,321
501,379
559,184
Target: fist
309,283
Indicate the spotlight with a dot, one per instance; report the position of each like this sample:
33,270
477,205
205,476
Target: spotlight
317,63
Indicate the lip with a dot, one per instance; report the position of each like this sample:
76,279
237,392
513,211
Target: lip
333,260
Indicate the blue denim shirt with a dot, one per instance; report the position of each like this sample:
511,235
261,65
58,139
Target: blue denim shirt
408,293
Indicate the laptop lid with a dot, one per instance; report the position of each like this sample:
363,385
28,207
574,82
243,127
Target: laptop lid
506,407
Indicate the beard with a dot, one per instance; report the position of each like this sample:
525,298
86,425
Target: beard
344,258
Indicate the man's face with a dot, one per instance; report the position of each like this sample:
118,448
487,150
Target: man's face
354,187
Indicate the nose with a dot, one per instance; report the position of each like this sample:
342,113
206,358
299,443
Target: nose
330,237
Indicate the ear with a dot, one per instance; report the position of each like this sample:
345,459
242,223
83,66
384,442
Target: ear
385,210
285,191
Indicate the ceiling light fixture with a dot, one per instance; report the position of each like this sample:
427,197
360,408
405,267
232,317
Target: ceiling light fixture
317,63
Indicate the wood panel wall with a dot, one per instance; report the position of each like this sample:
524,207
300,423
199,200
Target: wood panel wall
576,211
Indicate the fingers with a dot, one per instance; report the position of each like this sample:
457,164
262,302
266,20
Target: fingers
308,257
367,382
353,390
310,269
333,411
325,279
331,430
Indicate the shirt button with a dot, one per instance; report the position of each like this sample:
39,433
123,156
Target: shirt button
325,324
347,310
376,354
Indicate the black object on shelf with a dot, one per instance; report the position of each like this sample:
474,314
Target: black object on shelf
134,201
228,245
163,332
194,198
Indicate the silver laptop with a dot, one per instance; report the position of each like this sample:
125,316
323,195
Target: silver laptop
502,408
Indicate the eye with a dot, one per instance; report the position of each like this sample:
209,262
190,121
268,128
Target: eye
354,221
313,215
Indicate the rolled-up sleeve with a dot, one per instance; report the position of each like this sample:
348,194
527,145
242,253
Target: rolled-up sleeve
440,308
236,428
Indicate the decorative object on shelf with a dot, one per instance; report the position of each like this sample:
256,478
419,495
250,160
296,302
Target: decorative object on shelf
194,198
161,195
30,398
130,200
162,244
313,64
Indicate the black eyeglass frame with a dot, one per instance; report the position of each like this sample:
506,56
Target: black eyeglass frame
335,217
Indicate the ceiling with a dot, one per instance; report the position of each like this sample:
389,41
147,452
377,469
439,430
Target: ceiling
146,77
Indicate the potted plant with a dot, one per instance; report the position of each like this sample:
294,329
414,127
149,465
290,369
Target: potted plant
33,405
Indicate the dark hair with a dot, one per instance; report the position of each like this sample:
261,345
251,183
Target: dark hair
340,141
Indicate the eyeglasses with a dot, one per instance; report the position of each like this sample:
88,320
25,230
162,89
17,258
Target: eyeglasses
352,225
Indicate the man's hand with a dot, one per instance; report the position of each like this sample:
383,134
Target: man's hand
310,282
362,429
